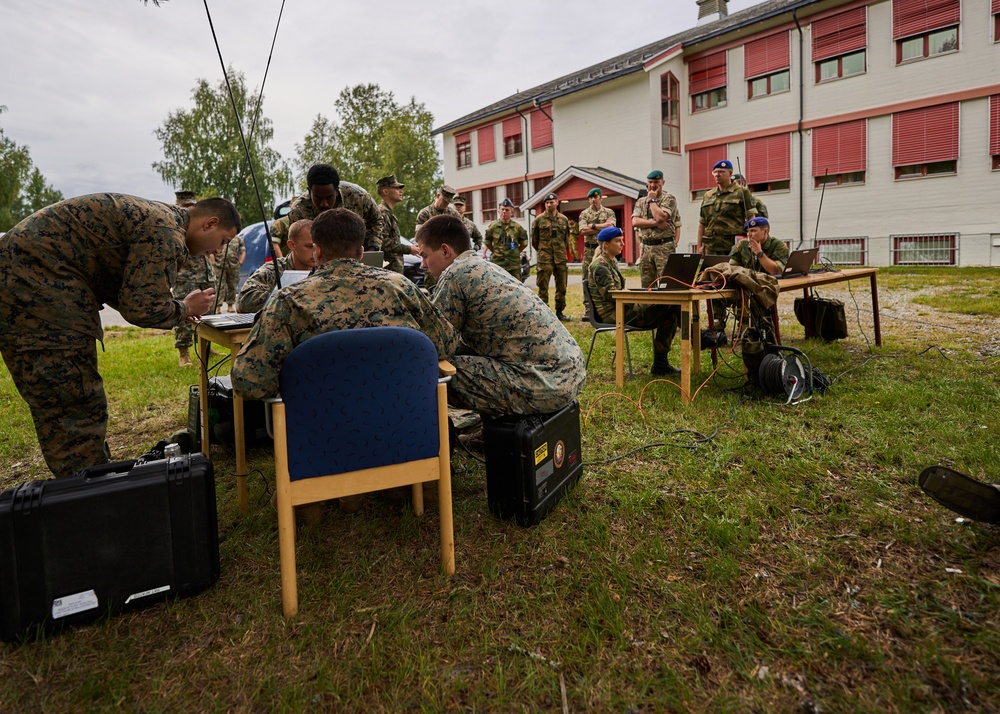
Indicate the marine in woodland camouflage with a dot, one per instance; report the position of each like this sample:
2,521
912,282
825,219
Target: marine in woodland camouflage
353,198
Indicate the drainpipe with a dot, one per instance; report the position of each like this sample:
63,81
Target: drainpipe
802,160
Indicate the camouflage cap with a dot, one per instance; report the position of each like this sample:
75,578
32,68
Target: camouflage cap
447,191
459,200
185,198
388,182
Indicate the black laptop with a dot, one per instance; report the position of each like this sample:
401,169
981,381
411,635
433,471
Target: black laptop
710,261
679,272
799,263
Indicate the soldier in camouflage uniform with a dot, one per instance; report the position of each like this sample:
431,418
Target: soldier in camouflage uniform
301,256
326,190
758,205
604,277
279,236
391,192
592,221
760,251
227,273
441,205
195,273
551,237
506,239
342,294
58,267
724,211
517,357
474,233
659,224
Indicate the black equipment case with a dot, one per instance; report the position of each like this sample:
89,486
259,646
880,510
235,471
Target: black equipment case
114,537
531,462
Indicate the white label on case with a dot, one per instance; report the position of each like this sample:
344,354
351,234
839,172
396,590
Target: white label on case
72,604
146,593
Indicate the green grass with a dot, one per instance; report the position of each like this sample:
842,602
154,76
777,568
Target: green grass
790,563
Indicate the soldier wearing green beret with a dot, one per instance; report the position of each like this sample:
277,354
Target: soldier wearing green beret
659,224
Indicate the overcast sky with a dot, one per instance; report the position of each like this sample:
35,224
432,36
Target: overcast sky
86,83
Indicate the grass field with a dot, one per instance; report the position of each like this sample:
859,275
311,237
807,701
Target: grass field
788,563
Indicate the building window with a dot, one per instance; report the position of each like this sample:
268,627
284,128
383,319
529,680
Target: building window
925,249
463,149
925,28
927,45
925,141
839,153
843,251
995,127
487,144
839,43
488,203
539,183
541,127
996,21
515,192
700,163
769,163
707,82
512,136
771,84
670,112
766,65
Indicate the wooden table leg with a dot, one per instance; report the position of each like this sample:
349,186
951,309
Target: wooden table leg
203,394
686,354
696,334
620,343
875,317
242,493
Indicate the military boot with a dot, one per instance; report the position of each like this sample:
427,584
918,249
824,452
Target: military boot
185,357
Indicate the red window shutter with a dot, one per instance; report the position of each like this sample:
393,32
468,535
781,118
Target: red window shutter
840,148
487,144
766,55
840,34
995,7
511,127
541,127
769,158
462,138
921,136
915,17
707,73
700,163
995,122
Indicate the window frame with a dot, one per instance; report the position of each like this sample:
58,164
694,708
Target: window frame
718,104
906,173
488,204
515,192
513,145
861,242
925,238
670,104
767,78
839,59
464,150
925,39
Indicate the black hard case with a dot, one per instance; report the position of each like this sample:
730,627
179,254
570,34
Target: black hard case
113,537
531,462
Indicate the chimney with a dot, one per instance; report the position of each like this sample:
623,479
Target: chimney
712,10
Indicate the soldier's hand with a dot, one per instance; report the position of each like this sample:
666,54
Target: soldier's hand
199,302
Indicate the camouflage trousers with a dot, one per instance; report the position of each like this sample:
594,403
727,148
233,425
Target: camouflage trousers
662,319
588,258
514,270
719,245
198,277
65,394
547,267
226,281
495,388
653,261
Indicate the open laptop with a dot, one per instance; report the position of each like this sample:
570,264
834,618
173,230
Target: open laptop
710,261
374,258
243,320
799,263
679,272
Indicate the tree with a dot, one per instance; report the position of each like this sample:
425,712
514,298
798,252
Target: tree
376,137
203,151
23,189
36,195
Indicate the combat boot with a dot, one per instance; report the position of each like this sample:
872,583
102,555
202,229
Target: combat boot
185,357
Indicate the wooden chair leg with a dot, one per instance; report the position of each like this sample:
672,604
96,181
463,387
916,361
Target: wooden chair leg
417,495
444,487
286,517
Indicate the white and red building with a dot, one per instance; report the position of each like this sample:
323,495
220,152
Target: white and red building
868,127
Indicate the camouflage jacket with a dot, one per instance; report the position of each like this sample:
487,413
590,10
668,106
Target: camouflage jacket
339,295
229,257
723,213
428,212
759,207
589,216
552,236
474,233
353,198
506,242
668,203
390,232
773,248
499,318
259,285
63,263
603,278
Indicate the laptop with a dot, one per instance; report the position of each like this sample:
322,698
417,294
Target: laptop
799,263
373,258
679,272
244,320
710,261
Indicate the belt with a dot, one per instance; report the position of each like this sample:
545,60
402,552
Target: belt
657,242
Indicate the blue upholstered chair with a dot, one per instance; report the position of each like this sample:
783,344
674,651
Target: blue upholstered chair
360,411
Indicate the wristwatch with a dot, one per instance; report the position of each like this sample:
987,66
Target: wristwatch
759,255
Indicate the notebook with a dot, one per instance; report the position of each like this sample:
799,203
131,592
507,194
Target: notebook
374,258
679,272
799,263
244,320
710,261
